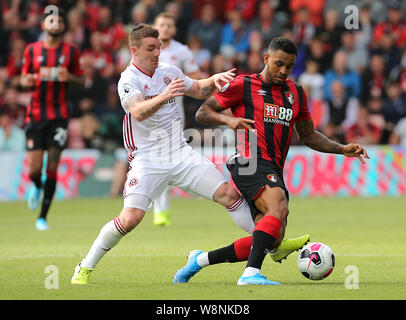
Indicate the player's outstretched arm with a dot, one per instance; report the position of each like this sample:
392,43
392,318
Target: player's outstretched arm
319,142
204,88
142,109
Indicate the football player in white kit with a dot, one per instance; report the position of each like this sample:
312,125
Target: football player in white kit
177,54
158,153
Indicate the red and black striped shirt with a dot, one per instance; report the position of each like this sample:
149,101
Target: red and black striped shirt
274,108
49,100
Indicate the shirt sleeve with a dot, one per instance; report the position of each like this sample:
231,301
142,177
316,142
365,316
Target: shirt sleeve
127,87
76,65
304,112
27,60
232,93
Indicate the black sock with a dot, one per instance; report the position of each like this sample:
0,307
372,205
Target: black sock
49,190
261,245
226,254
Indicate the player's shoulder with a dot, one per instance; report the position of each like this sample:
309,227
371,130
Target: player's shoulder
165,67
293,84
128,75
176,45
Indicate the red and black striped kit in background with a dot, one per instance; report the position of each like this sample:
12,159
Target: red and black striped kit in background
49,99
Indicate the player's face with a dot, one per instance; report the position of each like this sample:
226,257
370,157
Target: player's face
146,54
53,27
166,28
278,66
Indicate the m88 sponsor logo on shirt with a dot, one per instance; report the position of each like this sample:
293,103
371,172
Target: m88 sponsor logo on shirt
277,114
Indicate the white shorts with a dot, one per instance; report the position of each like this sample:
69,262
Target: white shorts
191,172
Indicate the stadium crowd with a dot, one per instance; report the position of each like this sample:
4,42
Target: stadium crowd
355,78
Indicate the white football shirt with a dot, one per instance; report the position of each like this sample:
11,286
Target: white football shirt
179,55
162,133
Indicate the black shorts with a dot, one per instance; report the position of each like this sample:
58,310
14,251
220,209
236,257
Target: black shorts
46,134
251,185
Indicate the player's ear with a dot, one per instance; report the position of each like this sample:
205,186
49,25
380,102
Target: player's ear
266,58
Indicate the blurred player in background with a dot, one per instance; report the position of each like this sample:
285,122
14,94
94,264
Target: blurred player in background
177,54
48,68
157,150
274,107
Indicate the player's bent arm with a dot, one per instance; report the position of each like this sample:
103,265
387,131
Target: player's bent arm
210,113
319,142
142,109
315,139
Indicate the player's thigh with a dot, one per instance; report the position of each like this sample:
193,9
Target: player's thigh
57,134
35,137
198,176
273,201
146,179
54,156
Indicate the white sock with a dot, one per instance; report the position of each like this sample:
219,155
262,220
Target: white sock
250,271
203,259
241,214
109,236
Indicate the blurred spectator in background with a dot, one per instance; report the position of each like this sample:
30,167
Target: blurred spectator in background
235,37
15,109
342,109
12,138
373,79
207,28
76,32
394,108
357,53
394,26
313,80
363,131
339,71
15,58
113,33
314,8
303,28
268,22
398,135
92,97
247,8
318,54
330,32
139,14
201,55
102,59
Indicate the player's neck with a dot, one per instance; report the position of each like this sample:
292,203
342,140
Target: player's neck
165,43
144,70
51,42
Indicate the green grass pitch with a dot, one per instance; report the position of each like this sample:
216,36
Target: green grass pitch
368,233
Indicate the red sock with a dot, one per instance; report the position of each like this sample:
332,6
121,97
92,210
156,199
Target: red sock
242,248
270,225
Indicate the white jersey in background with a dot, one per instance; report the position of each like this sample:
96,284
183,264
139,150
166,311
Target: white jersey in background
178,54
162,133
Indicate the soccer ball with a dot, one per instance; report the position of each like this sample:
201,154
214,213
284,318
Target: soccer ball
316,261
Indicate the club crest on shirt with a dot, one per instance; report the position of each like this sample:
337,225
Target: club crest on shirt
290,96
272,177
133,182
167,80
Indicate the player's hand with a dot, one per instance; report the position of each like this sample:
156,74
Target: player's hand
221,79
240,123
63,75
28,80
355,150
176,88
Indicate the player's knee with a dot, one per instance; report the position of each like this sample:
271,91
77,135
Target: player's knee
226,194
34,174
131,217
